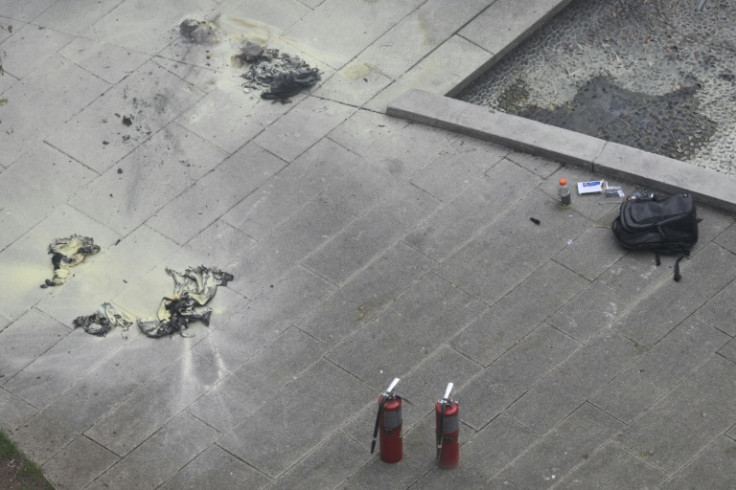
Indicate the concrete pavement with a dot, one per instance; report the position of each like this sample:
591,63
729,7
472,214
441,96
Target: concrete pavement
364,247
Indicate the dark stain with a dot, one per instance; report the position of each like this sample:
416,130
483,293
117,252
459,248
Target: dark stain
669,124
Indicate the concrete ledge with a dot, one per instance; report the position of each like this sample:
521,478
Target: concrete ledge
616,160
708,186
511,131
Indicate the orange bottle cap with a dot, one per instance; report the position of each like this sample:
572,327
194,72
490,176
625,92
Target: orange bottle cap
563,181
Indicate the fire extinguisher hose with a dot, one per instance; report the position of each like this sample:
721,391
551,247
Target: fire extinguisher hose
441,429
378,421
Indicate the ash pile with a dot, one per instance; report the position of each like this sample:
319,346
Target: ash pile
279,75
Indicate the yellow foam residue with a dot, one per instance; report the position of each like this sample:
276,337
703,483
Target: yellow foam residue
356,70
238,29
25,277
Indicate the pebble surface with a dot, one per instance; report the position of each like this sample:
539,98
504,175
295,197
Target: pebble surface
657,75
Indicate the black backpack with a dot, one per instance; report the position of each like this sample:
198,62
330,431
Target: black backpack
662,226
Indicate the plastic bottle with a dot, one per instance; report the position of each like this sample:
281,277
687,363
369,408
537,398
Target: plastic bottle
564,192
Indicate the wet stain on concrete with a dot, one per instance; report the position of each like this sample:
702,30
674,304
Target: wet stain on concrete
659,76
670,124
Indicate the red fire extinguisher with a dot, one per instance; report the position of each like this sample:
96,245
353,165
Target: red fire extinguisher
447,431
388,423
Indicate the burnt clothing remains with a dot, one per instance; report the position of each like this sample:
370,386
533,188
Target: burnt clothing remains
281,75
285,85
192,291
102,321
66,253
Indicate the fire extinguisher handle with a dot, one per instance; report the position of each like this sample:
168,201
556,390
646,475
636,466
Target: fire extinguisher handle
378,421
448,390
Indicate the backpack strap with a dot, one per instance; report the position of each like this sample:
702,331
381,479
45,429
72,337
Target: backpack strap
678,276
677,268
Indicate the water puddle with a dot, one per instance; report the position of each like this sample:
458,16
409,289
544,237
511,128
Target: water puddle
603,109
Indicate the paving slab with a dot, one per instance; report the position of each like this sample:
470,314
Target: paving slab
457,168
354,84
78,464
183,438
278,15
368,293
593,310
412,39
658,313
156,403
109,62
439,72
75,18
313,224
659,370
34,184
613,467
337,45
285,428
727,239
559,394
434,308
513,374
325,170
216,468
231,129
365,237
713,466
559,451
30,47
40,382
249,326
333,460
591,254
729,351
150,98
230,182
153,32
144,181
38,104
14,411
241,393
365,132
701,407
26,11
20,346
509,320
75,410
405,149
302,127
456,223
525,245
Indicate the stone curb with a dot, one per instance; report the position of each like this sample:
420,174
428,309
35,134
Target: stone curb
607,158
